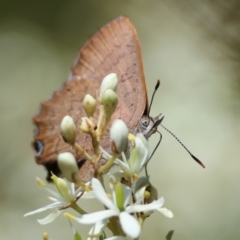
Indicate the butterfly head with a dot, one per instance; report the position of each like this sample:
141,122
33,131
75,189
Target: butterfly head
148,125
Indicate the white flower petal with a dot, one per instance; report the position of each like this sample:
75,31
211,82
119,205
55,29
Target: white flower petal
166,212
73,229
53,193
51,217
143,139
135,160
94,217
139,195
50,206
127,195
53,199
72,188
155,205
116,238
78,192
138,156
97,229
124,159
106,155
101,194
118,175
129,225
124,166
88,195
142,150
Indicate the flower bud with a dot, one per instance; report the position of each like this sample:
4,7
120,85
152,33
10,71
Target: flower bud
89,104
62,187
45,236
68,165
87,125
68,130
109,101
109,82
118,136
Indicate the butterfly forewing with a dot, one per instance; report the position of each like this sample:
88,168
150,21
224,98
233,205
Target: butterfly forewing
114,48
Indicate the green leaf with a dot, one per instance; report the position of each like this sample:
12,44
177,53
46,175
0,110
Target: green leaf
169,235
77,236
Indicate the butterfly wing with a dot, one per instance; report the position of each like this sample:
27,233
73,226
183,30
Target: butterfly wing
114,48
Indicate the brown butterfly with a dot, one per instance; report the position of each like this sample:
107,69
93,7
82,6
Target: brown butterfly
115,48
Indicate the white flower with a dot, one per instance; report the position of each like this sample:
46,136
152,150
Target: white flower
118,206
140,198
138,156
61,199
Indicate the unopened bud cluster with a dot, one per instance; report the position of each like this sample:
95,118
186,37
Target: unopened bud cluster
95,126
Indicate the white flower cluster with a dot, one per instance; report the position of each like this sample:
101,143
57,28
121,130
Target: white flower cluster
131,197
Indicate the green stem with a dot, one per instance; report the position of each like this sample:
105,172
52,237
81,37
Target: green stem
74,206
104,127
115,227
82,151
100,122
108,164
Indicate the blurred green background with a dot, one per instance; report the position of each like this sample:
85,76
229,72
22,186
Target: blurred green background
192,46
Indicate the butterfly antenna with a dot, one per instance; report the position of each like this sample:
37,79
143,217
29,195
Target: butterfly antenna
193,157
156,88
159,141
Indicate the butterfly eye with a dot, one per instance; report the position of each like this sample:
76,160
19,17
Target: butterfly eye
145,121
38,146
